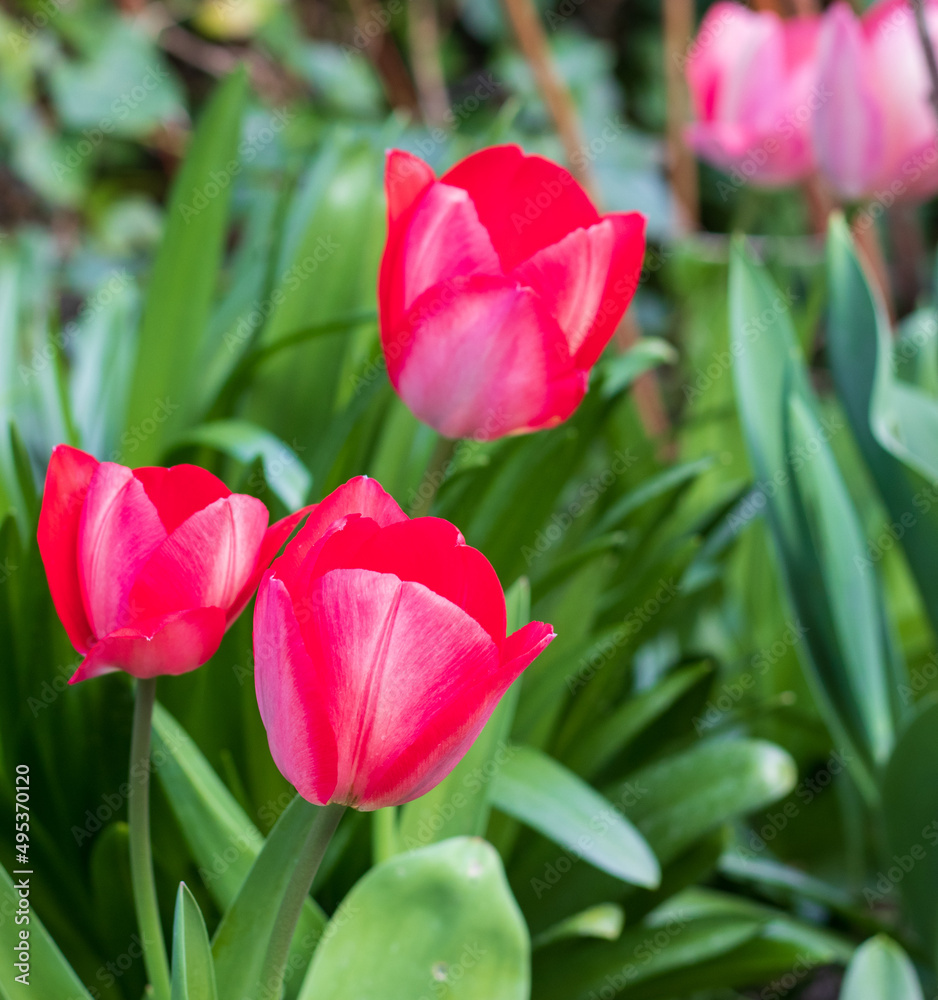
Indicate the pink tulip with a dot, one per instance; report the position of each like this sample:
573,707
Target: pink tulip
500,286
875,132
752,78
148,567
380,650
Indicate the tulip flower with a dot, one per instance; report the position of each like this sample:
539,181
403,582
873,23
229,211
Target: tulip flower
875,134
380,650
752,79
148,567
500,285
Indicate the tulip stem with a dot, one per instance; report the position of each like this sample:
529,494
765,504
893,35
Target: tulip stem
141,852
307,864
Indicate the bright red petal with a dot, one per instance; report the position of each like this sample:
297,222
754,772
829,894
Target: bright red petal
361,495
292,697
178,492
205,562
120,529
432,551
175,644
525,202
406,179
70,471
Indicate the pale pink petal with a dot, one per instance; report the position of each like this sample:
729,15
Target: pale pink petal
175,644
120,529
362,496
67,480
292,696
480,362
398,660
570,277
848,127
205,562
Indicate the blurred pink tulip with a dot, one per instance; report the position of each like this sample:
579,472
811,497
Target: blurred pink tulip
875,133
752,78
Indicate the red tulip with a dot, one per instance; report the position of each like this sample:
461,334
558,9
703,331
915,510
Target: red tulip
500,286
148,567
753,83
380,650
875,135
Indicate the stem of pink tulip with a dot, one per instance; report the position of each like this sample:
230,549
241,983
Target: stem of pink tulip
307,864
141,853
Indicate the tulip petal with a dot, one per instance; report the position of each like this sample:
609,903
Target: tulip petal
120,529
174,644
848,127
480,364
70,472
206,561
178,492
430,551
401,665
625,272
274,539
525,202
292,697
523,646
406,179
570,278
361,495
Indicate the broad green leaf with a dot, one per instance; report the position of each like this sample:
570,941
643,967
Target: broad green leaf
910,814
460,804
436,921
284,473
193,970
182,283
242,939
880,970
535,789
858,334
46,975
681,798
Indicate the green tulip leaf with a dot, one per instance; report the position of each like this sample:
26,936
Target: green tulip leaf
193,969
880,970
439,921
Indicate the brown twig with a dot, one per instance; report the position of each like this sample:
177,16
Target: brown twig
532,39
678,32
372,37
918,6
423,36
